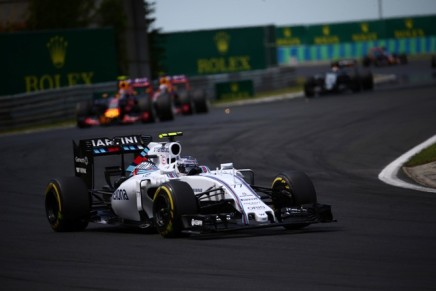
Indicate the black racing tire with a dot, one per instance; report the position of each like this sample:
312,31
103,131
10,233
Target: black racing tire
83,110
292,189
356,83
201,102
366,61
368,81
172,200
164,107
433,61
146,110
403,59
309,88
67,204
184,99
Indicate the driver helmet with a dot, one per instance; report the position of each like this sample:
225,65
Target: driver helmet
186,164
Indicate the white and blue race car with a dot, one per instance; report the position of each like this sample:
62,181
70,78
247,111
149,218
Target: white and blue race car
165,191
343,76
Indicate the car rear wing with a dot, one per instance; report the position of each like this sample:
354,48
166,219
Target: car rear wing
344,63
87,149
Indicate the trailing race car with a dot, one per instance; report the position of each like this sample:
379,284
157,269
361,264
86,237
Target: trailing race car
343,76
379,56
131,103
137,101
165,191
186,101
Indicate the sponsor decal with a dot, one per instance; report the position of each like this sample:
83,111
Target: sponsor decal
80,170
110,142
162,150
259,207
196,222
120,194
80,160
57,47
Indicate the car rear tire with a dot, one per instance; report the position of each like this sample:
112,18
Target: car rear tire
67,204
146,110
292,189
403,59
356,83
366,62
309,88
368,81
164,107
201,104
83,110
186,103
172,200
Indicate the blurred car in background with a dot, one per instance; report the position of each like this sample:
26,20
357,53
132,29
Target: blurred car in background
379,56
186,101
129,104
344,75
138,100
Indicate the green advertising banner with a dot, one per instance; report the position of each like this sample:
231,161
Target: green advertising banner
329,33
410,27
363,31
410,35
236,89
324,34
291,35
51,59
216,51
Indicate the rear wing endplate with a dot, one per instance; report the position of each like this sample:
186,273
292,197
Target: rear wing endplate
87,149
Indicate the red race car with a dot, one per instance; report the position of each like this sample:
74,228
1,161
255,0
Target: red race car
379,56
129,104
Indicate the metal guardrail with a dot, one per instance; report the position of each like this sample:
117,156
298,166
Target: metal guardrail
44,107
57,105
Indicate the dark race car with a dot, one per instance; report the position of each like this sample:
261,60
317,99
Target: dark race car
131,103
379,56
185,100
343,76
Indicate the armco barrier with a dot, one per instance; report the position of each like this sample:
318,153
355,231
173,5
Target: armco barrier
44,107
57,105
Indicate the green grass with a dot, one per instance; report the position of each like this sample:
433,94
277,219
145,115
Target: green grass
40,127
271,93
425,156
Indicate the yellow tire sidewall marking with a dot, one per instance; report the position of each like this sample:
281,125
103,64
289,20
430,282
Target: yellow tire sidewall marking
167,191
282,181
58,199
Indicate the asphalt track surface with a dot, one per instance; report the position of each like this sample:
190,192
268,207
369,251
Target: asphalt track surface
384,239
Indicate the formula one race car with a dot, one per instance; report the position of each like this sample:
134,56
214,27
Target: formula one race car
129,104
185,100
172,194
379,56
343,76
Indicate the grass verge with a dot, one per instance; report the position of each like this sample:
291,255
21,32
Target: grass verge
272,93
40,127
425,156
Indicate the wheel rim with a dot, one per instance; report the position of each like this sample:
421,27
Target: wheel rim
52,208
162,211
280,186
